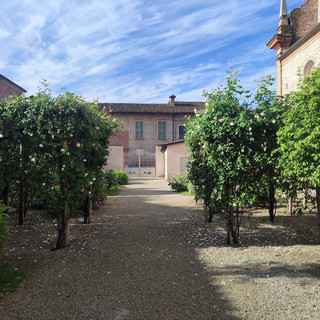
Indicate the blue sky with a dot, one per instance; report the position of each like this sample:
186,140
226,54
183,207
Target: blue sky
136,50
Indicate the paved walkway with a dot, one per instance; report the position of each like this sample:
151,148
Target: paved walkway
133,263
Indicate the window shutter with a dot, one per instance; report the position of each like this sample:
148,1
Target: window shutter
162,130
139,130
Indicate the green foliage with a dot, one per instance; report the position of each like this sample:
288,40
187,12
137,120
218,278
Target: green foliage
298,139
179,183
110,178
99,191
4,226
299,148
187,193
54,147
232,147
113,178
122,177
10,280
114,191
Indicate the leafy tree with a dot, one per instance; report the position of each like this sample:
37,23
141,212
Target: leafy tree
232,148
54,148
75,138
17,145
220,140
268,120
299,137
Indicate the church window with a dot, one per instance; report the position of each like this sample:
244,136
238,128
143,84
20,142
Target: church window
308,68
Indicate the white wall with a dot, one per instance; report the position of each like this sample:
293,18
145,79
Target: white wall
298,60
115,158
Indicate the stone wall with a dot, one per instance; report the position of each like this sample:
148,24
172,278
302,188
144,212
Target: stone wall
297,60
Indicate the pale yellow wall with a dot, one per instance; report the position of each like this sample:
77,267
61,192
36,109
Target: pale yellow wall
115,158
160,163
174,154
297,60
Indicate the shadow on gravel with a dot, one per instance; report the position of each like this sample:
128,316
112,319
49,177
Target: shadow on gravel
160,275
140,257
273,270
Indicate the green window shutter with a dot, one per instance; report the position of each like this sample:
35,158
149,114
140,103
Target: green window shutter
162,130
139,130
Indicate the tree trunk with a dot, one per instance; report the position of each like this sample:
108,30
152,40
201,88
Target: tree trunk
22,210
207,213
230,224
305,198
233,231
289,205
5,195
210,214
272,201
88,209
318,210
22,203
63,228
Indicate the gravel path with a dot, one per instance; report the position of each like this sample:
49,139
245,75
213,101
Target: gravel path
148,255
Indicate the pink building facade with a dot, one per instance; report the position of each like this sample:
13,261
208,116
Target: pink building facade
144,127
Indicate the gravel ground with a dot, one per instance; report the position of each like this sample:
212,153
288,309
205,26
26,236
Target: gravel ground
148,255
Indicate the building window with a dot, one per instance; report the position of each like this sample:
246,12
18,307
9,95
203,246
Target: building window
162,130
308,68
182,132
139,130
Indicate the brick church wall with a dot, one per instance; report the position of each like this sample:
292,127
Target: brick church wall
307,17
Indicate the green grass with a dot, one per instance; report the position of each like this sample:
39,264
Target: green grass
114,191
187,193
10,280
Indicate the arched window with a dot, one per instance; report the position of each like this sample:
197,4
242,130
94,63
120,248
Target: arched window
308,68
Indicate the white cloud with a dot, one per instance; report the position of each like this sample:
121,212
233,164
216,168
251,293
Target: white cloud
133,51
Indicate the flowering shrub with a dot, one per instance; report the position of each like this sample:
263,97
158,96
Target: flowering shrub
232,148
54,148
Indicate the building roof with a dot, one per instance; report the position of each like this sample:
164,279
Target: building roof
9,88
300,42
172,142
165,145
178,107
